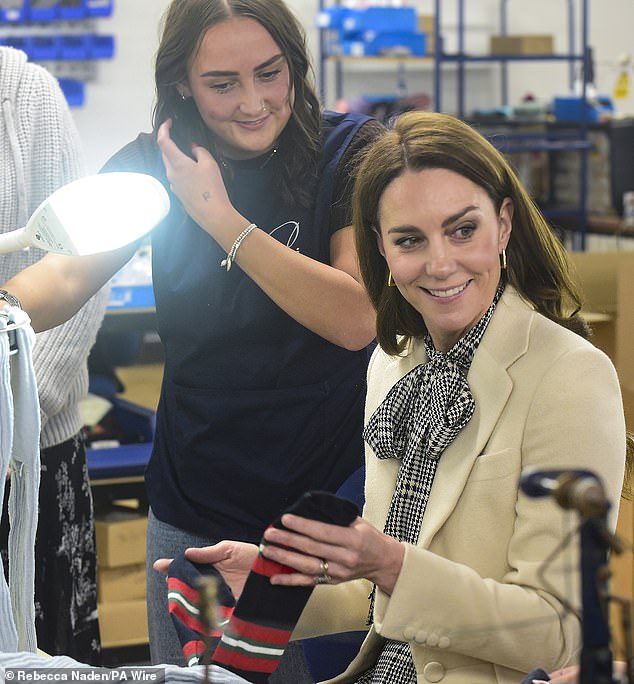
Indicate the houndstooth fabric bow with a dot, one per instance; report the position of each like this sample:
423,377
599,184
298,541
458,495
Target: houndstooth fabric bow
418,419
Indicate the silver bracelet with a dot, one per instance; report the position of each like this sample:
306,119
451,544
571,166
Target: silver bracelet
10,299
231,256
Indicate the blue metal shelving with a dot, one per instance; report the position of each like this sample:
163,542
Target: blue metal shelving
59,34
328,38
577,55
552,139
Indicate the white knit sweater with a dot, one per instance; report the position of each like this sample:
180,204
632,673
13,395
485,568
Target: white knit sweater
40,151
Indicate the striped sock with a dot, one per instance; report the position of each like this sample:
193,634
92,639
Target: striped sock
255,638
251,637
183,599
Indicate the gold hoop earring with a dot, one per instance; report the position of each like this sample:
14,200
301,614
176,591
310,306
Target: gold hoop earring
390,280
503,260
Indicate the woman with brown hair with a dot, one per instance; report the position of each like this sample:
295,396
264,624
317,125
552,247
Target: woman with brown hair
479,375
260,306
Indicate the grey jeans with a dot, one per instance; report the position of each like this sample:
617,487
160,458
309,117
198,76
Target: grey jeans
165,541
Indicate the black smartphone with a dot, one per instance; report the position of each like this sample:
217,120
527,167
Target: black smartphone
324,507
188,127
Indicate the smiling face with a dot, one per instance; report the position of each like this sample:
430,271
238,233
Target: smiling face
441,237
240,82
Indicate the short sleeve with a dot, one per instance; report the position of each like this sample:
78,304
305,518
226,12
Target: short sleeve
139,156
341,214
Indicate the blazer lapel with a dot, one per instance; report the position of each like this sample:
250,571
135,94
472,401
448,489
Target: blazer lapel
505,340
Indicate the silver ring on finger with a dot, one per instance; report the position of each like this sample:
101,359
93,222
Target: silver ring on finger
323,577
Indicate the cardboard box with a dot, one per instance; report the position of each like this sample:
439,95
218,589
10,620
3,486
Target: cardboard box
123,623
426,25
622,569
607,281
120,536
121,584
522,45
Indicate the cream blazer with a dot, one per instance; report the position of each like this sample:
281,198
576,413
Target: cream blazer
470,599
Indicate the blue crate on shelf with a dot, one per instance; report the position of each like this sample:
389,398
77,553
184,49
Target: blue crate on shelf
74,91
14,14
380,19
44,48
386,43
18,42
138,424
99,8
44,13
353,22
372,31
571,108
68,10
131,297
332,17
72,9
101,47
74,47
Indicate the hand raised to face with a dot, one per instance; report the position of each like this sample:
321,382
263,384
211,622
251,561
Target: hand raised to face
198,184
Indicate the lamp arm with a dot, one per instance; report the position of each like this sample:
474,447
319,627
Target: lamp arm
14,241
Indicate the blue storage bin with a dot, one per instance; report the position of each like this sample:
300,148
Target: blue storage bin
72,9
397,43
349,48
74,91
12,15
45,48
74,47
43,14
380,19
99,8
127,460
570,108
131,297
391,43
332,17
101,47
19,43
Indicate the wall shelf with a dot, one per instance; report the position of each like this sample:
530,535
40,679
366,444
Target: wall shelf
577,56
62,37
518,136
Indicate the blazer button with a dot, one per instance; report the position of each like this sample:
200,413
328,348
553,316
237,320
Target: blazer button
433,672
432,640
444,642
409,634
421,637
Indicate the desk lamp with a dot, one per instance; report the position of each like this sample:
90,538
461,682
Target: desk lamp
93,214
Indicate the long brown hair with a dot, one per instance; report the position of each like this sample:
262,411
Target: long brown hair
185,23
537,263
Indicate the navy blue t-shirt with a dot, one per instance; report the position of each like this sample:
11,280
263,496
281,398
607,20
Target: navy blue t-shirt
255,409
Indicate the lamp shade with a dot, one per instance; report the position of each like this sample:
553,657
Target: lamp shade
93,214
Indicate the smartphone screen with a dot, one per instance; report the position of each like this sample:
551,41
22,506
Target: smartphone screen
188,127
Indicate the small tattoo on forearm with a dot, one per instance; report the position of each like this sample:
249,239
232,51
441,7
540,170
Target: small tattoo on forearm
206,196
